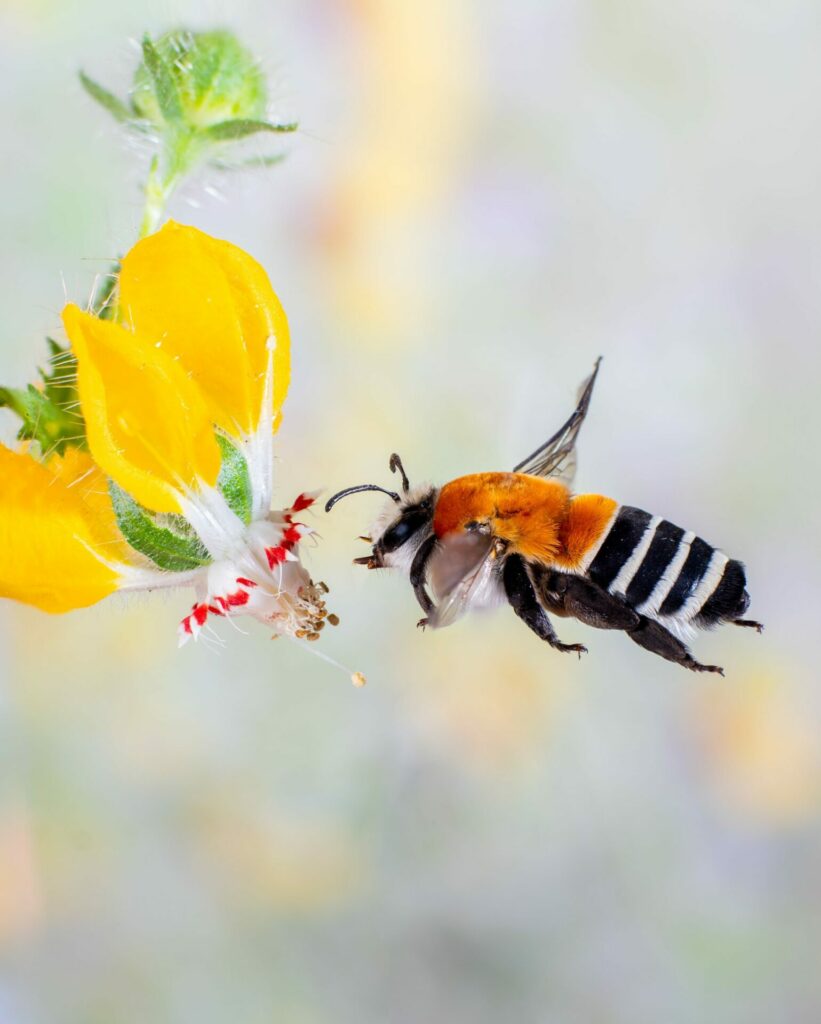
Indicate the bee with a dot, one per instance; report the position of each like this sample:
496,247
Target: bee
524,537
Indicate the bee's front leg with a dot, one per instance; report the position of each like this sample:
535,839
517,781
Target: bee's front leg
522,597
418,572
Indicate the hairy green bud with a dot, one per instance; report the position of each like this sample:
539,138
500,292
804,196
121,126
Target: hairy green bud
195,95
198,78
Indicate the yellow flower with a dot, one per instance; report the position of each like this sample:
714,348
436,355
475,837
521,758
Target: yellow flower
181,397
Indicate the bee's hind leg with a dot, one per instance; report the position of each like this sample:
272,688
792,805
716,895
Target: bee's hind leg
569,594
653,637
522,597
749,623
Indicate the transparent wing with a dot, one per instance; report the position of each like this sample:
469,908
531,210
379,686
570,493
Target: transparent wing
464,575
557,456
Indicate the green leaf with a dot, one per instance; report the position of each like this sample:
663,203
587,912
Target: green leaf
51,413
234,480
165,88
252,163
167,540
60,380
43,421
241,128
18,401
118,110
102,302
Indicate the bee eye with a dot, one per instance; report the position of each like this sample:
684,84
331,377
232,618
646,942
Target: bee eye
412,519
396,536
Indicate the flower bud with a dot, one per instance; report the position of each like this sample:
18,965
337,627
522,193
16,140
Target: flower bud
197,80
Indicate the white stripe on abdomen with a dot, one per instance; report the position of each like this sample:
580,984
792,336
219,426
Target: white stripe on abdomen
631,566
668,578
709,582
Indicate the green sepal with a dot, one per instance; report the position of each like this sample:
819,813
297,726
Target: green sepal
234,481
118,110
167,540
241,128
165,88
51,414
252,163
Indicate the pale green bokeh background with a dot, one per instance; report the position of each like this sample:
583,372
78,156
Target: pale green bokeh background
483,198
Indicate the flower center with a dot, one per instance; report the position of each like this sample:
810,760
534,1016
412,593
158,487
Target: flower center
264,578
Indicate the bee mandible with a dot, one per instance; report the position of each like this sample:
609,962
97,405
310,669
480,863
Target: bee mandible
524,537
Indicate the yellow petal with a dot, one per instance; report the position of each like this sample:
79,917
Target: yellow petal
146,422
212,307
78,472
46,533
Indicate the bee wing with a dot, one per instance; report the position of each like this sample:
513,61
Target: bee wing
463,575
557,456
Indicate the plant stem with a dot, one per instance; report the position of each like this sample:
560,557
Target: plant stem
158,189
181,156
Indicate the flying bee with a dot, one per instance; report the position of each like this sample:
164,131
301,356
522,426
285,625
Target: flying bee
524,537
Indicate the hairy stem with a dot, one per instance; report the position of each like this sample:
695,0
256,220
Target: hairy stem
158,189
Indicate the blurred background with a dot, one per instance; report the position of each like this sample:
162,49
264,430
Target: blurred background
482,199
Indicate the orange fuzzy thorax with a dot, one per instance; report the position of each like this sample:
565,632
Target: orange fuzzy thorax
525,511
537,517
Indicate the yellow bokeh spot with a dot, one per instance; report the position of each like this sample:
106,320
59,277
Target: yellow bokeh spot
761,749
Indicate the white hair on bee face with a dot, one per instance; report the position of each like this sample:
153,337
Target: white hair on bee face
391,512
387,515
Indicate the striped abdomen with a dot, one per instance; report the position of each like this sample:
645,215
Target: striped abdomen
666,573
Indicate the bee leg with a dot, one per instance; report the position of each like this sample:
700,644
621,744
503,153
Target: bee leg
749,623
583,599
653,637
418,571
522,597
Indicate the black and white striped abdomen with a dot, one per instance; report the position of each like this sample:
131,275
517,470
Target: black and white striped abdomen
666,573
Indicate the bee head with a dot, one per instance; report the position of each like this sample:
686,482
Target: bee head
404,522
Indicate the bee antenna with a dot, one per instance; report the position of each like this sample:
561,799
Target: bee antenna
329,504
396,463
